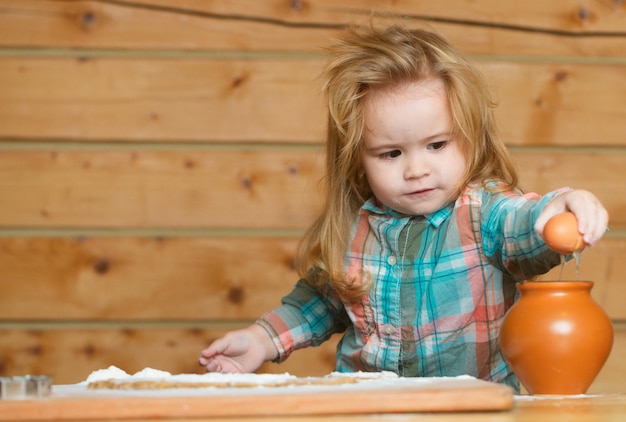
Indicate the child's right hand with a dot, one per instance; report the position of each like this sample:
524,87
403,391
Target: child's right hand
239,351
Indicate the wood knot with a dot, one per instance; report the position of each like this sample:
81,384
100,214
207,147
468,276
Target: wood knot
129,332
246,182
238,81
102,266
560,76
236,295
293,169
196,332
88,19
35,350
89,350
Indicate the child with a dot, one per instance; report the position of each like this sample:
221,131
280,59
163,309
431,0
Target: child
424,232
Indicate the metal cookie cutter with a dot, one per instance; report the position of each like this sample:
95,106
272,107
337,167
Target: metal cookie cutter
26,387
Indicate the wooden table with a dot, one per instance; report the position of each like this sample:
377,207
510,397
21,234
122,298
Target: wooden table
604,408
453,398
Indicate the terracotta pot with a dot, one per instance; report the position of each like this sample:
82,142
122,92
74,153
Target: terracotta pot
556,337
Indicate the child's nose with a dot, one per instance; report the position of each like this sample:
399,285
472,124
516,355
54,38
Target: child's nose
416,167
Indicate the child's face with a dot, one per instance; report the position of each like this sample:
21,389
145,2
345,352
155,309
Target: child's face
411,161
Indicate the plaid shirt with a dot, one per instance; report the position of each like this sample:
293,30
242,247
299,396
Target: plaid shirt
442,284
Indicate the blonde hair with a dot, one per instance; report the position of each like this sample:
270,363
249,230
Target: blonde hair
369,58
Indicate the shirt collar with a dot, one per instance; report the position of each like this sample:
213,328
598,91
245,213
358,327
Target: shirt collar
435,219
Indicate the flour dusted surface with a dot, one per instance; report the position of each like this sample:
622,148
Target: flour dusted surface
149,378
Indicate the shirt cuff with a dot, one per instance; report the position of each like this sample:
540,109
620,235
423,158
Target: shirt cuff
283,341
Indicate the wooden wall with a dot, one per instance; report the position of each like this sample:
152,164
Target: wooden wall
159,160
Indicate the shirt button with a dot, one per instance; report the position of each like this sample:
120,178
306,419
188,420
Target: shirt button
392,260
389,329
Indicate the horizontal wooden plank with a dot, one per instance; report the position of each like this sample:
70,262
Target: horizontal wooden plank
262,189
70,355
275,100
184,189
160,99
143,278
567,27
600,172
559,104
174,279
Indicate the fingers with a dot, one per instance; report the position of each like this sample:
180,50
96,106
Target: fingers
214,349
205,361
223,364
207,356
240,351
595,228
591,215
213,366
212,363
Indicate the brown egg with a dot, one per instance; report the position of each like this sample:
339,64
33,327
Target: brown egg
561,234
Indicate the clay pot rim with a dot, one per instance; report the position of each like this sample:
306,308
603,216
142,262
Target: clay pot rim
553,284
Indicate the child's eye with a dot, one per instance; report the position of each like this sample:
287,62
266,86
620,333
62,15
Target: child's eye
391,154
437,145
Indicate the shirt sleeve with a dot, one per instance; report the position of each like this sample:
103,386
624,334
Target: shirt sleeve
307,317
509,237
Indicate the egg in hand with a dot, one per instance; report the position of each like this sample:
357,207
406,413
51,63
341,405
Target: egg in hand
561,234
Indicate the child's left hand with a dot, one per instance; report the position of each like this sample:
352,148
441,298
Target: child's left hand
592,217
